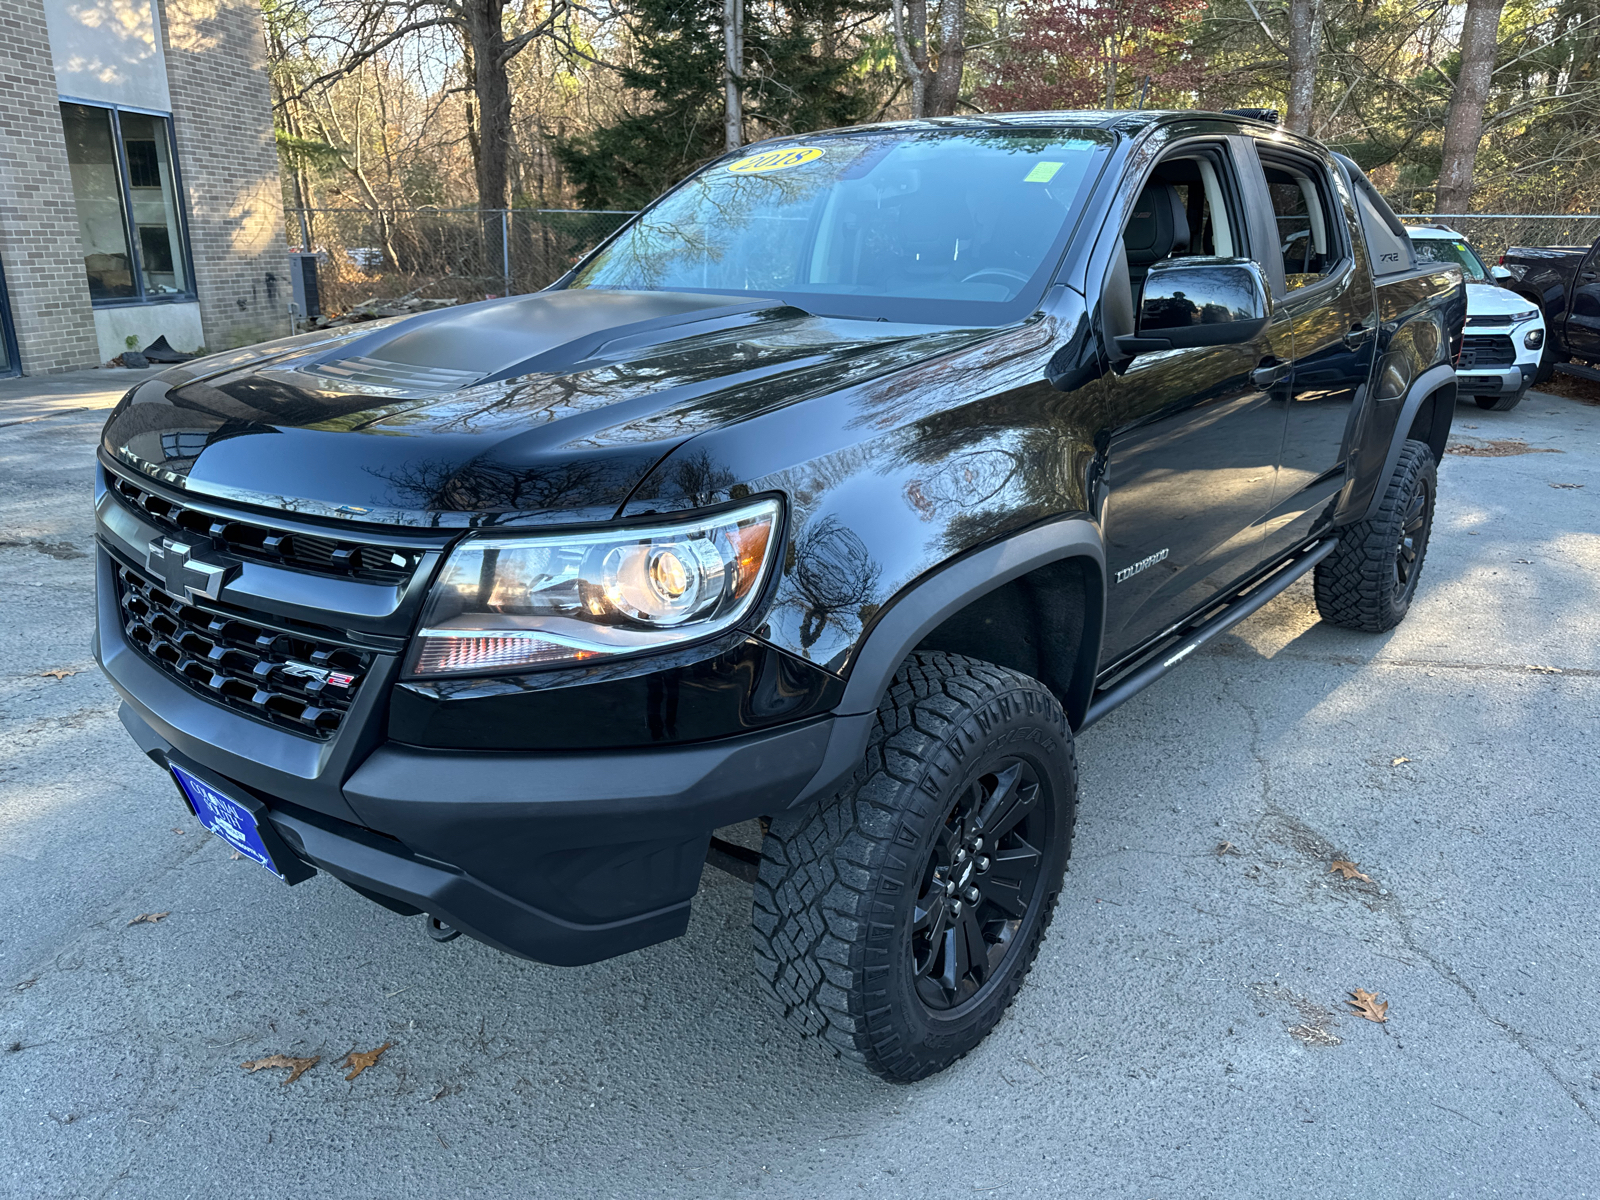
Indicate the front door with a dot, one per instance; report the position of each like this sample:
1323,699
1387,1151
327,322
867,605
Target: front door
1195,433
1329,298
1583,315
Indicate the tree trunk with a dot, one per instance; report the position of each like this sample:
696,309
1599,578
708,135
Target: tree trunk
1463,126
733,69
912,46
945,91
485,28
1305,43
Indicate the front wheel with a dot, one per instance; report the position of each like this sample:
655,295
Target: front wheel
897,920
1368,582
1504,402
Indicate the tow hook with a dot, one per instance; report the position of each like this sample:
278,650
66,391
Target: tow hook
439,931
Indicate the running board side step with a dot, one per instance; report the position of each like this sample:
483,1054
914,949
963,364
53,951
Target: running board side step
1109,698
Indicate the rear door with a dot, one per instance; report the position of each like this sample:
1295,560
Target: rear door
1195,433
1326,292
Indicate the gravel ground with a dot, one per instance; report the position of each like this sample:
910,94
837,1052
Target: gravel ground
1184,1033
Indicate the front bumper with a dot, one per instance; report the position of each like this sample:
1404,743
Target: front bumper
558,856
1497,381
561,858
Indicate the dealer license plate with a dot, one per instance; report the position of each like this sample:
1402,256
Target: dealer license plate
226,817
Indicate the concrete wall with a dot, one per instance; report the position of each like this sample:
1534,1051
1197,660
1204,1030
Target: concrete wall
39,242
109,51
178,323
222,119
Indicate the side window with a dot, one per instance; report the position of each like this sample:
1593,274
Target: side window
1306,213
1182,211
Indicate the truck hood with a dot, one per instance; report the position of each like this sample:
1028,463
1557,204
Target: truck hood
1491,300
540,408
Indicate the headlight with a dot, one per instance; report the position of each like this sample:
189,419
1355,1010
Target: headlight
559,599
1526,314
1533,339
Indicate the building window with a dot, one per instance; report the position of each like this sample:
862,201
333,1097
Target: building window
134,248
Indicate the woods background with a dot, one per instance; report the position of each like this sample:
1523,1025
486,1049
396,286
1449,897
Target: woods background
389,106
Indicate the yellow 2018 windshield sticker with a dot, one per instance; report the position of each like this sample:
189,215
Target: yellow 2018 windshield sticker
775,160
1042,172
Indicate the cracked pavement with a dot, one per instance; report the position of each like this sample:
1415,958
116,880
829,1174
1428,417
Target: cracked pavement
1184,1032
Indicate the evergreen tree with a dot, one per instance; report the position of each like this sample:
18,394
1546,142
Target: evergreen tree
794,81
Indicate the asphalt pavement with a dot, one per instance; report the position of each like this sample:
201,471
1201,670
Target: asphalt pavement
1185,1032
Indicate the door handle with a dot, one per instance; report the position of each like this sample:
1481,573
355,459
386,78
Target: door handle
1269,373
1356,335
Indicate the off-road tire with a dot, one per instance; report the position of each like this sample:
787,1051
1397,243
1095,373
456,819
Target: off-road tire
837,897
1360,585
1504,402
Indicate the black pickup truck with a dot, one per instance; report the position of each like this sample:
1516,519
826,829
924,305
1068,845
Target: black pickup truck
840,491
1564,281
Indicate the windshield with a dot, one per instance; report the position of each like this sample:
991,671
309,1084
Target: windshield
960,227
1449,250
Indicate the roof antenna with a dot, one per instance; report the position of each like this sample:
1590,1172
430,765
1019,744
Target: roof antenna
1143,92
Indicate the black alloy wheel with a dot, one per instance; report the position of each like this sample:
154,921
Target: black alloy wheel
1369,580
978,885
896,921
1416,523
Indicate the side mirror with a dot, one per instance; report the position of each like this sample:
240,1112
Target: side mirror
1499,272
1199,302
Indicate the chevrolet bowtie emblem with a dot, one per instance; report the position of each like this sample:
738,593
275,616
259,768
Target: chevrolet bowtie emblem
180,566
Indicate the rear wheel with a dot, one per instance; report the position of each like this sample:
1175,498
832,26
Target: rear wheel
897,920
1368,581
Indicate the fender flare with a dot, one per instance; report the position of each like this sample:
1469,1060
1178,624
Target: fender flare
1430,382
925,604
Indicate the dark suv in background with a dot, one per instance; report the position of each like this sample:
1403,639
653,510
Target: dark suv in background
841,489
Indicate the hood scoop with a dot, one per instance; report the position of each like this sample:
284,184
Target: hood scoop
359,373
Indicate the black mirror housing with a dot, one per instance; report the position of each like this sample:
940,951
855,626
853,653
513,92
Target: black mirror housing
1189,302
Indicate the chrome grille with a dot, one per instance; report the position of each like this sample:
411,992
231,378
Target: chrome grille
262,543
1486,350
292,680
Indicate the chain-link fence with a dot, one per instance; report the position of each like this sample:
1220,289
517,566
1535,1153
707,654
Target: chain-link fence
439,254
466,254
1491,234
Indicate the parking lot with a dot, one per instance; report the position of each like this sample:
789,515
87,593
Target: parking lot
1183,1034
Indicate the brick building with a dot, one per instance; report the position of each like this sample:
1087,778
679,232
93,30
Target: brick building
139,190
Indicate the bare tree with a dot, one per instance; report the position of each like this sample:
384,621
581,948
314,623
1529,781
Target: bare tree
1305,45
1463,126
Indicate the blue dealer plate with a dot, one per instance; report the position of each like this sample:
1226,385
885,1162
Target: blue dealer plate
225,817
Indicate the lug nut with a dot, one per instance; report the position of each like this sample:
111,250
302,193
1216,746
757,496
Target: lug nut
950,887
961,855
983,863
955,909
971,894
977,845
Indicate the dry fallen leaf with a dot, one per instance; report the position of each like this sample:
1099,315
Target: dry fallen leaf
297,1066
1349,870
1367,1004
1225,848
1567,486
149,918
367,1058
1545,670
235,855
60,673
177,831
1398,761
